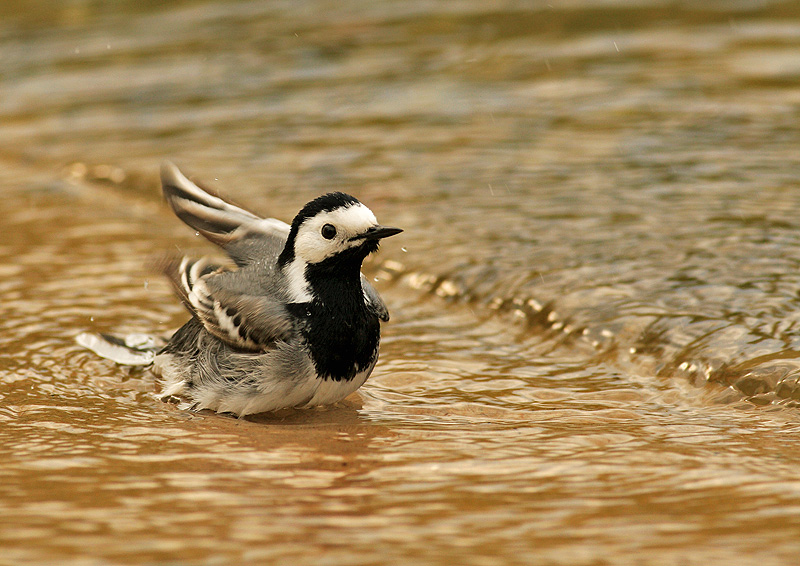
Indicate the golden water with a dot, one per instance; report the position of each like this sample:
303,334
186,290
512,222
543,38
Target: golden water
593,352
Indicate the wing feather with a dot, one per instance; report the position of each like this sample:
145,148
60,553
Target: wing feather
246,322
373,300
243,235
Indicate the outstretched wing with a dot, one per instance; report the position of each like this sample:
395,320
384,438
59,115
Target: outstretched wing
244,321
244,236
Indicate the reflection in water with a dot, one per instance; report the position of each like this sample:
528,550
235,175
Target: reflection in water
593,354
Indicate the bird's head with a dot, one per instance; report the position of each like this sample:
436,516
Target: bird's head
332,230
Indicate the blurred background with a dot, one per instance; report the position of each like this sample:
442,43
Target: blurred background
593,352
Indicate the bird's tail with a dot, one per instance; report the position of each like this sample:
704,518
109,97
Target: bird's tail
130,350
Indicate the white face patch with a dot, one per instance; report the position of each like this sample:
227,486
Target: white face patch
311,247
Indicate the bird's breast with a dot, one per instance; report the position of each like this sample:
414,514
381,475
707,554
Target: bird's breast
342,339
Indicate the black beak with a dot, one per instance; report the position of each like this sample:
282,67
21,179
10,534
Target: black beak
378,233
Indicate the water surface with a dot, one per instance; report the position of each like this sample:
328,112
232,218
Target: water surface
593,352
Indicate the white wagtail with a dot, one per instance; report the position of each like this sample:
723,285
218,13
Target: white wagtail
296,324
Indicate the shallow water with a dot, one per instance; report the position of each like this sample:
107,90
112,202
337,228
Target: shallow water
593,354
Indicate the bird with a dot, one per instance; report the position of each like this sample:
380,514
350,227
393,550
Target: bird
293,323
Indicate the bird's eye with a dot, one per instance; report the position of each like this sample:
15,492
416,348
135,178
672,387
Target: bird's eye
328,231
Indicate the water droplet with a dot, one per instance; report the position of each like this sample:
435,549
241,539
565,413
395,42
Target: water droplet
197,233
403,249
146,283
91,319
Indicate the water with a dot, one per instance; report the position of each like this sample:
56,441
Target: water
593,353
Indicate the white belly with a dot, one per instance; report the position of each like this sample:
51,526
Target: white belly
271,394
329,391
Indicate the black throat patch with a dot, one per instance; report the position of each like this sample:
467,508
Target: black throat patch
341,332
